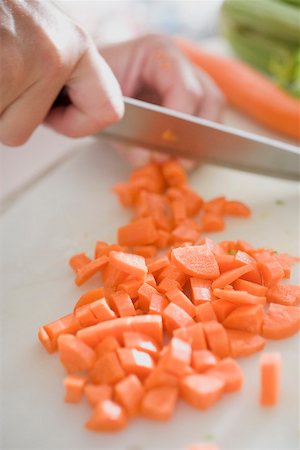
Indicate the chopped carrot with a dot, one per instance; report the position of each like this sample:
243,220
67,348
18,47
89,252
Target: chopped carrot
239,297
193,334
147,251
65,325
222,308
89,297
145,293
177,357
284,294
201,390
139,232
211,222
270,367
167,284
107,369
173,173
230,276
135,361
176,317
74,386
129,263
122,303
235,208
101,310
176,296
201,290
150,325
45,340
158,264
131,287
85,316
246,318
272,272
251,288
159,402
101,249
78,261
107,416
74,354
217,339
215,206
230,372
197,261
185,233
205,312
157,304
129,393
90,269
281,321
243,343
179,212
173,273
108,344
112,277
159,377
96,393
203,360
142,342
163,238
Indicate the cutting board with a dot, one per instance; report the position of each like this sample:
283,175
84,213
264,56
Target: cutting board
66,212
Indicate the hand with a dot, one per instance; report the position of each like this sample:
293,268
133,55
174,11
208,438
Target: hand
43,50
151,68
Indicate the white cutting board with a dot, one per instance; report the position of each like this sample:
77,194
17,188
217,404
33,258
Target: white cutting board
66,212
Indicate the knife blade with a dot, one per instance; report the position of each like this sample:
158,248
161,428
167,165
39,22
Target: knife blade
178,134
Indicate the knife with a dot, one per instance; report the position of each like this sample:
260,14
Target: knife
178,134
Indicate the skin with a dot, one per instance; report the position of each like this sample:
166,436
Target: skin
43,50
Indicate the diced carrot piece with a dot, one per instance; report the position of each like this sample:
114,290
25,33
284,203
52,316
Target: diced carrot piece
159,402
226,262
171,272
246,318
201,290
175,317
131,287
101,310
129,263
173,173
142,342
177,357
197,261
147,251
230,372
235,208
78,261
193,334
222,308
217,339
45,340
270,368
284,294
108,344
107,369
179,212
64,325
101,249
107,416
243,343
163,238
74,385
157,304
239,297
203,360
215,206
212,222
136,362
167,284
205,312
90,269
129,393
251,288
89,297
230,276
272,272
125,193
74,354
201,390
96,393
145,293
112,277
150,325
254,276
139,232
176,296
281,321
185,233
242,258
85,316
243,246
159,377
158,264
122,303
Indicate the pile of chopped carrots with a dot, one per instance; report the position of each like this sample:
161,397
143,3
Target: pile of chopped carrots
173,310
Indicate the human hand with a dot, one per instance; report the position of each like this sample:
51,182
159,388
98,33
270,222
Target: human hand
151,68
43,50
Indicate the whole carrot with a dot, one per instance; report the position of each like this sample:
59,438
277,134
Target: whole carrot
248,90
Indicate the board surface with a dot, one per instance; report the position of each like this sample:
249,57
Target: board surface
66,212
